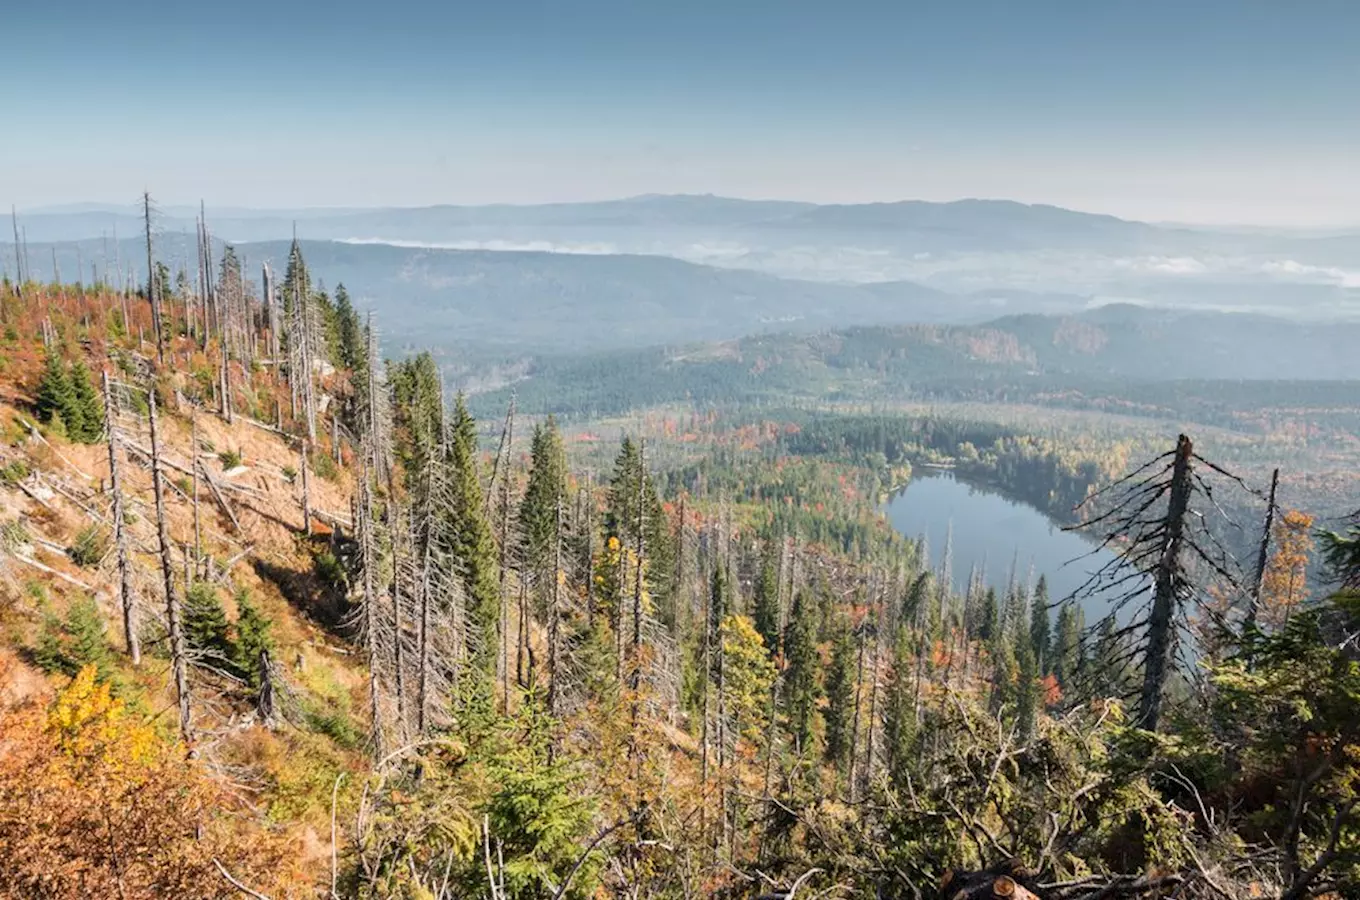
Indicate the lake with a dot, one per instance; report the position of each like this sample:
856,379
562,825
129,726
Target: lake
991,531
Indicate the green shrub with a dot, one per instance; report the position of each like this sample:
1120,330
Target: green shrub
330,570
68,402
14,472
68,645
324,466
89,546
205,623
333,722
14,534
230,459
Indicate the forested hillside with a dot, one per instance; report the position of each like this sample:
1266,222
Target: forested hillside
276,622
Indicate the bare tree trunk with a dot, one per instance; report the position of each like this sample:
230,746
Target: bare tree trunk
635,675
226,382
1161,627
18,257
198,522
370,562
172,612
867,773
398,663
554,620
1253,609
507,438
125,593
264,700
306,491
854,717
706,671
152,286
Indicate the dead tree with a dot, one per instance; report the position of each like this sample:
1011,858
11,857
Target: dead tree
635,663
152,285
125,593
264,700
503,660
370,625
198,521
555,620
1253,608
19,277
398,663
178,656
306,491
1166,552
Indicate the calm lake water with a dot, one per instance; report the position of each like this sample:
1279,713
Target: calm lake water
991,531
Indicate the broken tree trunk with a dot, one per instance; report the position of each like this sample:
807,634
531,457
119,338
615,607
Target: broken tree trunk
1253,610
1161,627
306,492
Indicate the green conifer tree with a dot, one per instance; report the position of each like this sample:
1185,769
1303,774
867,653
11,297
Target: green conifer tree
621,516
766,611
474,546
547,488
1026,690
85,422
253,636
68,645
205,623
1067,643
899,714
802,690
56,396
350,344
1040,632
840,694
988,624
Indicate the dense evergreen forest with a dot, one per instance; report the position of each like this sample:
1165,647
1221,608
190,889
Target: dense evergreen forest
441,669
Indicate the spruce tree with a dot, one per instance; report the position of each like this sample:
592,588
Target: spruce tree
474,546
766,612
988,625
252,638
205,623
621,517
1039,629
350,345
1067,643
1026,690
840,694
547,488
417,415
68,645
86,420
56,397
801,689
899,714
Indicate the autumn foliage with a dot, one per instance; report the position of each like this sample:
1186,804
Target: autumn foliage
94,803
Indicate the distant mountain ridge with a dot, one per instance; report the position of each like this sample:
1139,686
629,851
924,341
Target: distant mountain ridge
962,246
1117,357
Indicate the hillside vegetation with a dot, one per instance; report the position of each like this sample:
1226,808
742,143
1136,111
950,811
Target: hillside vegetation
316,642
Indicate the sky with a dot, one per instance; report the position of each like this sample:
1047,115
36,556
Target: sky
1205,111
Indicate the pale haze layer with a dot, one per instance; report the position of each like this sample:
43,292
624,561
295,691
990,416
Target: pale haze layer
1221,111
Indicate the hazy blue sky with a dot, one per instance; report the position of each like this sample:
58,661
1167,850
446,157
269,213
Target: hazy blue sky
1193,110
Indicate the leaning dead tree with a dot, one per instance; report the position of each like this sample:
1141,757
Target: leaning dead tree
1162,522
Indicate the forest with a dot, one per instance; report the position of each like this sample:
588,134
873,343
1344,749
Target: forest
277,619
